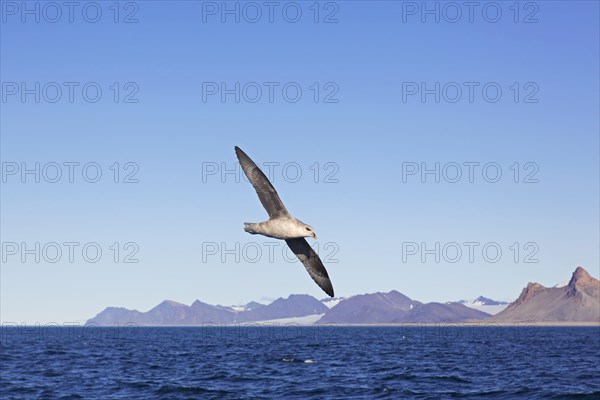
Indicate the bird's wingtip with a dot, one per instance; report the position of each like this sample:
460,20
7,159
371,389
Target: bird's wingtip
239,152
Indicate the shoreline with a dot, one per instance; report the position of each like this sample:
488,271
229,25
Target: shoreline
258,324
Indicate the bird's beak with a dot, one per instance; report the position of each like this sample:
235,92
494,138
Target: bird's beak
314,235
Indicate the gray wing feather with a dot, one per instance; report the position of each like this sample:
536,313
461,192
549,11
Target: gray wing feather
312,262
266,192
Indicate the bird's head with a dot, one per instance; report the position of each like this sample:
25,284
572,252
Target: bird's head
305,230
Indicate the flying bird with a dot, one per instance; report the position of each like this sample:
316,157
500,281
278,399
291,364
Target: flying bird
282,225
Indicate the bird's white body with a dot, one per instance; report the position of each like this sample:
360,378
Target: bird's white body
280,228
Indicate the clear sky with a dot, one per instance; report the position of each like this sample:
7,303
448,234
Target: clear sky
386,92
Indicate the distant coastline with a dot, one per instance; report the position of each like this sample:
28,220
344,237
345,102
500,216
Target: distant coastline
482,324
575,304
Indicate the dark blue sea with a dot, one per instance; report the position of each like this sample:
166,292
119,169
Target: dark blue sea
327,362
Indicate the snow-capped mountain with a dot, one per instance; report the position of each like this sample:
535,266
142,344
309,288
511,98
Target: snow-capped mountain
486,305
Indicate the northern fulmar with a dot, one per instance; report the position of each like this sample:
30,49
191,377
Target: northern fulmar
282,225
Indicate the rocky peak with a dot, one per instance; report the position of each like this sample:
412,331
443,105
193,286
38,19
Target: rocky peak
168,304
530,291
582,285
580,276
579,301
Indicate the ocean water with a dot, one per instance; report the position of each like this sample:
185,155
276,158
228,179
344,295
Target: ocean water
327,362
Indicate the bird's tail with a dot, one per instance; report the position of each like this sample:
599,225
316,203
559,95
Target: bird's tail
250,227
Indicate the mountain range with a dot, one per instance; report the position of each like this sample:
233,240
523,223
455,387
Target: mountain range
172,313
578,301
375,308
394,307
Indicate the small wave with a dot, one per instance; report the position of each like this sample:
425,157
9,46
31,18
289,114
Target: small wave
55,352
52,373
182,389
579,396
452,378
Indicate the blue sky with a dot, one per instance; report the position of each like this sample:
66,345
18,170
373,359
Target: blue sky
366,220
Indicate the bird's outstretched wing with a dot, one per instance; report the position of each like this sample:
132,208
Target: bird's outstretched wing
312,262
266,192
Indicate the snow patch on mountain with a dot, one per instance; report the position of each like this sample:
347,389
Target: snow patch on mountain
330,303
486,305
306,320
